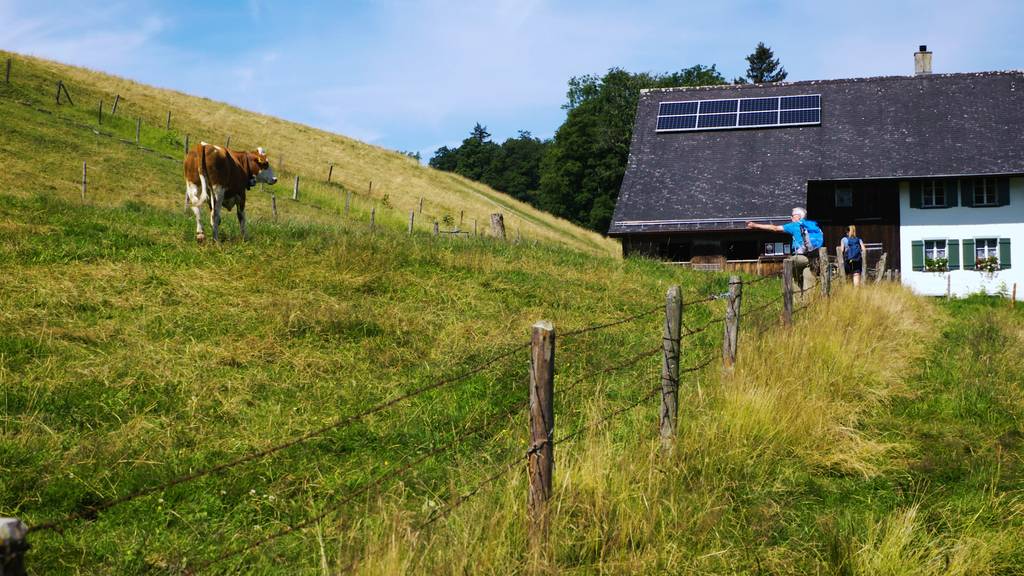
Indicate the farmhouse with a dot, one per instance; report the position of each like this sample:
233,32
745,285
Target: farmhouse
929,167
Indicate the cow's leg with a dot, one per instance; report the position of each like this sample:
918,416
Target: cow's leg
216,201
241,217
192,196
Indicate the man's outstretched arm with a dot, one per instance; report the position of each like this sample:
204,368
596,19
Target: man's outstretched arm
768,227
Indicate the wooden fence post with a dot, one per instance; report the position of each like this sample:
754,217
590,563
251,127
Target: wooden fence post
1013,296
273,205
60,84
881,267
670,345
67,94
369,191
542,429
113,109
138,127
186,143
7,74
461,214
732,322
864,268
168,126
99,115
295,190
13,545
823,270
330,170
373,218
498,225
839,262
436,229
474,226
412,217
787,292
84,179
421,204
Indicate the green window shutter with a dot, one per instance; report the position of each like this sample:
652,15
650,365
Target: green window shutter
915,193
967,194
952,193
1004,253
1003,191
917,255
969,257
953,254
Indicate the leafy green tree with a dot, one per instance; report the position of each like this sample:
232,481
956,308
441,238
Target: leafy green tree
444,158
584,165
764,67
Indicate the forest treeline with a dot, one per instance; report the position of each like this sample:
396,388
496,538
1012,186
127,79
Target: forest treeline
577,174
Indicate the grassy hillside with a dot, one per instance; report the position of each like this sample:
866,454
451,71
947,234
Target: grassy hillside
44,151
325,399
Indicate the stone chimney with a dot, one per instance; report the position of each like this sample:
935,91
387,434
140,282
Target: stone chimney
922,61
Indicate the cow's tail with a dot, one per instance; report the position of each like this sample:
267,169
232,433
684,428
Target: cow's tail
204,176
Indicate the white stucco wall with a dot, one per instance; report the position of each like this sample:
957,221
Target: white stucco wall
957,224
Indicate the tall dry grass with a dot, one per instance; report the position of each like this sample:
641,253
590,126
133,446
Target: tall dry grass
792,410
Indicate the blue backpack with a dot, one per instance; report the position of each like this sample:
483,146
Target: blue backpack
811,235
852,248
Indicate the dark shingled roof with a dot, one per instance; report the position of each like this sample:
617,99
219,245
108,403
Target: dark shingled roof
886,127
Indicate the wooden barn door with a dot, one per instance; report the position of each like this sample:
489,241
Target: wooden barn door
872,206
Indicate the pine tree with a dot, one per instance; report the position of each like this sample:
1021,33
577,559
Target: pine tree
764,67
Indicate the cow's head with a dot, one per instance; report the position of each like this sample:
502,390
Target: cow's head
263,171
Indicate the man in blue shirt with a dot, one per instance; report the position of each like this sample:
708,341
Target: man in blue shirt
801,261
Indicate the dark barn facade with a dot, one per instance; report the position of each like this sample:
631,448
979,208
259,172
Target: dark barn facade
703,161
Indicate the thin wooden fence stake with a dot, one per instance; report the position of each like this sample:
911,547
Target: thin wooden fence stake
85,179
369,191
670,345
436,230
168,126
273,205
60,84
67,94
787,292
7,74
421,205
864,268
99,115
13,544
881,267
113,109
823,270
330,170
412,217
542,430
373,218
474,226
138,127
1013,297
839,261
732,322
461,214
186,143
295,190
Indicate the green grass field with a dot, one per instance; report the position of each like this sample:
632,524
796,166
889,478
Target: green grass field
880,435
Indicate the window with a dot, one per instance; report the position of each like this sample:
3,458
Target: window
777,248
935,259
986,248
844,196
933,194
985,192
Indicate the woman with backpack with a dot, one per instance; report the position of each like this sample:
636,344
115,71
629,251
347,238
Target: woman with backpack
853,253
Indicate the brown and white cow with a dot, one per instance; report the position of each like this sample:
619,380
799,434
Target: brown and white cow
221,177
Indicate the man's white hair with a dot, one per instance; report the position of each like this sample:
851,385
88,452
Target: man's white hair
801,212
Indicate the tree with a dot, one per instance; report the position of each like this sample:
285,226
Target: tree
764,67
584,165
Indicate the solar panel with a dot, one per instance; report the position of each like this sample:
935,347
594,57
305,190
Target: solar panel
728,113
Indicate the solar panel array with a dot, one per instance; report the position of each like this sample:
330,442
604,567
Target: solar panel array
804,110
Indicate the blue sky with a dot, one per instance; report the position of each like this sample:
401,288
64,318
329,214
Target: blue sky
418,75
